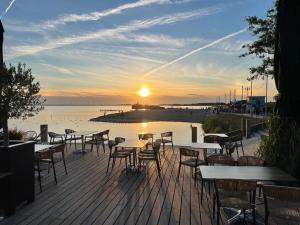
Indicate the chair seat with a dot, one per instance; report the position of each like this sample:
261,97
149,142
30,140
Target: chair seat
166,141
286,213
192,162
146,157
146,151
73,138
120,155
237,200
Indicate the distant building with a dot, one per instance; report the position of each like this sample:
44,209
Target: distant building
256,104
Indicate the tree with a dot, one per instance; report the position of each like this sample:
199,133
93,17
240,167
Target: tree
19,95
264,46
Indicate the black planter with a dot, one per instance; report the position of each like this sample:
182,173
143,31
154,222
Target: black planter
17,162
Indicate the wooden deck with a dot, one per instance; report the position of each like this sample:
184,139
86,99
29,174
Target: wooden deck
89,195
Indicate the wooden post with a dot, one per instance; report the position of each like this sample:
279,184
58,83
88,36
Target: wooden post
194,134
44,133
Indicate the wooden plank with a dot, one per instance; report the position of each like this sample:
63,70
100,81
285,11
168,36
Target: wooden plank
167,204
161,195
174,216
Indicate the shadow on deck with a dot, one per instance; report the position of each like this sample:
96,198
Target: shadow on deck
89,195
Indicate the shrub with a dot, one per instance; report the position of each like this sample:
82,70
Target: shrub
215,125
15,134
281,147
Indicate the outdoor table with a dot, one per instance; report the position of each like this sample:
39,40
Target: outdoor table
205,146
83,134
247,173
216,134
133,144
41,147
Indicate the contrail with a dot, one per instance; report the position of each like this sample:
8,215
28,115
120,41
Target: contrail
194,51
7,9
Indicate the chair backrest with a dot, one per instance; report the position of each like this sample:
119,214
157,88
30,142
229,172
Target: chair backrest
69,131
188,152
119,140
146,136
212,139
167,134
59,148
98,135
51,134
250,161
156,146
236,185
220,159
106,133
282,193
230,147
237,137
111,144
30,135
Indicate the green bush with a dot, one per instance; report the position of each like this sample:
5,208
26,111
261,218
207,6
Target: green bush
281,147
215,125
15,134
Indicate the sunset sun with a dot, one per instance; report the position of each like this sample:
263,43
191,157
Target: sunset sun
144,92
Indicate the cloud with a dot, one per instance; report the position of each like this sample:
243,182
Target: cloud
58,68
113,32
94,16
195,51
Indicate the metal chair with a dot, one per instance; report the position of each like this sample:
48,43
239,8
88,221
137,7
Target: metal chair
54,136
234,194
49,158
250,161
151,157
69,137
147,137
213,160
113,154
282,204
167,138
189,157
30,135
96,140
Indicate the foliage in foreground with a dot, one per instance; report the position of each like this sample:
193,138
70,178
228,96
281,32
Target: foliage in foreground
264,46
281,147
19,95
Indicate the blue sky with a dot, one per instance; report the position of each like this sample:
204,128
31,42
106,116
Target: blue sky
182,50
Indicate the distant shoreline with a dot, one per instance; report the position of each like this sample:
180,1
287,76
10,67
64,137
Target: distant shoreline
155,115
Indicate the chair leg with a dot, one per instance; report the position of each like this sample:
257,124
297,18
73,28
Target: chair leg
103,146
242,148
64,161
178,173
75,145
39,175
108,164
157,164
54,171
214,206
254,215
172,147
218,215
97,147
202,187
126,163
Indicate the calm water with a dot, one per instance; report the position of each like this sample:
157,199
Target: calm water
77,118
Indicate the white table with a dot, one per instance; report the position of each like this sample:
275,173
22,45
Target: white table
134,144
206,146
216,134
41,147
83,134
